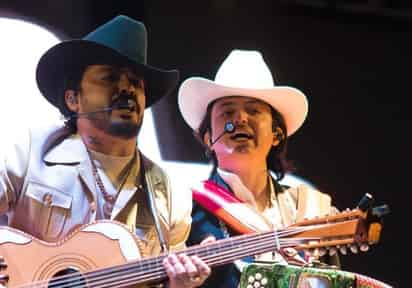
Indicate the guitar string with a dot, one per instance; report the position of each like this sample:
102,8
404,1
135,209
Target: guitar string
159,273
377,284
194,251
104,271
89,275
229,258
128,280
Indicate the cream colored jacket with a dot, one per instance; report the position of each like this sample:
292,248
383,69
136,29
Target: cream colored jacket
47,189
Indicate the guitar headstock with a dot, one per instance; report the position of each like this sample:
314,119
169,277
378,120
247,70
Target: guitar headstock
347,230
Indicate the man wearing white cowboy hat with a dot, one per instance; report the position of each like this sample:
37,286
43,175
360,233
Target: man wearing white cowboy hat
55,179
244,120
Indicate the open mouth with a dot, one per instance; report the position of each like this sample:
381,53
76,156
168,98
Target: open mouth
124,103
241,136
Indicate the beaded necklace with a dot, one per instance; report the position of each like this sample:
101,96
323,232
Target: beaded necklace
110,199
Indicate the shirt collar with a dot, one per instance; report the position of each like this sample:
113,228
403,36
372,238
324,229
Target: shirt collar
240,190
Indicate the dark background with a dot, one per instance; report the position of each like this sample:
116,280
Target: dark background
351,58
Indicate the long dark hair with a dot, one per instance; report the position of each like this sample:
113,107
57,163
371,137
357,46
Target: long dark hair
71,81
276,160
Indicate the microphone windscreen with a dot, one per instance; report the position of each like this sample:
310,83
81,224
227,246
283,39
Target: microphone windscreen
229,127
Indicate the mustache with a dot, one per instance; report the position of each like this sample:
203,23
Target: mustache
125,100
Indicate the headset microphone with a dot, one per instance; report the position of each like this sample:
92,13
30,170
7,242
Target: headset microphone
125,104
78,115
229,128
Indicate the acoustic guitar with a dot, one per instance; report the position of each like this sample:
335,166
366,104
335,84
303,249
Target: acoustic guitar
106,254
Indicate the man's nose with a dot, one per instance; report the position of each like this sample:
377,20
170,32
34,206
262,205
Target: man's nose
240,117
125,83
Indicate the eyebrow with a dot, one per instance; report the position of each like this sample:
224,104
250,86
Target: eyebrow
104,68
130,72
225,103
230,102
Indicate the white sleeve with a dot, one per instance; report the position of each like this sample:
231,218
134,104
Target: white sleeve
14,151
180,214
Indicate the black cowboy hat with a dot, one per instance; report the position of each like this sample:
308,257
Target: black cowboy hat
121,41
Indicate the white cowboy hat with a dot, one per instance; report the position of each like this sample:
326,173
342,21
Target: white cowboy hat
243,73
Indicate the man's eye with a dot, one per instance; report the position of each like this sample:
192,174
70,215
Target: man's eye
227,113
112,77
253,111
136,82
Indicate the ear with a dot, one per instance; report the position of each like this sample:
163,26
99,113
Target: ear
70,98
278,136
207,140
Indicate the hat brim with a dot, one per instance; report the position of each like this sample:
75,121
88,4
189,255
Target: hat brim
54,65
196,93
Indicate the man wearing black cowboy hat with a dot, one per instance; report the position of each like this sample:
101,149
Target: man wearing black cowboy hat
56,179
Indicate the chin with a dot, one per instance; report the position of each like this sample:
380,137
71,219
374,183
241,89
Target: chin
243,149
124,130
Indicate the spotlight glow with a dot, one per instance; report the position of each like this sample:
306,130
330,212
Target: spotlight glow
21,102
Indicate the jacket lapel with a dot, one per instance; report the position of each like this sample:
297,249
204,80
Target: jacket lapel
127,194
72,151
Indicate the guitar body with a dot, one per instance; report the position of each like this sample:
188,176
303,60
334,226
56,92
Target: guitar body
98,245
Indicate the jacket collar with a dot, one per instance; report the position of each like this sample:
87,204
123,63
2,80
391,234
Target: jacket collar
64,148
71,150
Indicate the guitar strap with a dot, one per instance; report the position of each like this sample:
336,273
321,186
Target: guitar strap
130,214
149,188
295,204
240,216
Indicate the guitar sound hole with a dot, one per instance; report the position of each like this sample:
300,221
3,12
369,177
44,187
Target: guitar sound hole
63,279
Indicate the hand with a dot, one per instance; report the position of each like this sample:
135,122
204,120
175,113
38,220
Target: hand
185,271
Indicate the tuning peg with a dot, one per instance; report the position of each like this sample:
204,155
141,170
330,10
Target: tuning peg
380,210
3,264
366,202
364,247
4,279
354,249
315,253
322,251
343,250
332,251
